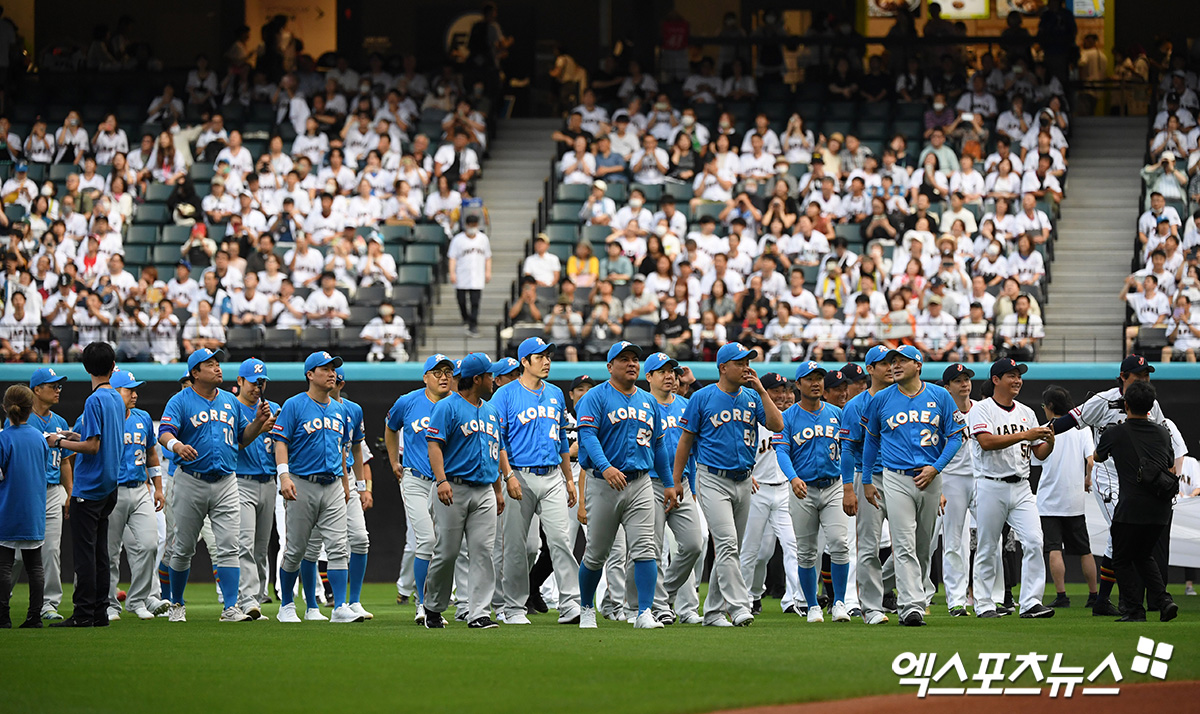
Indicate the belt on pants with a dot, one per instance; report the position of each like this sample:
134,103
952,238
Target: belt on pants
132,484
410,471
537,470
909,472
822,482
1005,479
257,478
629,475
319,479
211,477
458,480
730,474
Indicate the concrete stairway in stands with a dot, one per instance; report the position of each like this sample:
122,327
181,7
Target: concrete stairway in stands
1095,240
512,183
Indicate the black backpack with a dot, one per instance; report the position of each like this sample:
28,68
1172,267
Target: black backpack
1153,476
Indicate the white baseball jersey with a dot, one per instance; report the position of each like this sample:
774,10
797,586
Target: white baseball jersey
1060,489
961,464
766,464
1099,413
988,417
470,256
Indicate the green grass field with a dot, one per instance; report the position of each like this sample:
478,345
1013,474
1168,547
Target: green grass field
391,665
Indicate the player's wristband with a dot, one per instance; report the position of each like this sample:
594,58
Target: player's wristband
170,444
155,472
360,486
439,483
282,469
507,476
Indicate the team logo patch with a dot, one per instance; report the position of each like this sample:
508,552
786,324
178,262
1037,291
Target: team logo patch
586,420
166,418
431,430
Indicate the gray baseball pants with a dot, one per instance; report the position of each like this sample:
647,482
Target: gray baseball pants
192,499
912,514
471,515
132,524
546,497
319,508
726,507
257,500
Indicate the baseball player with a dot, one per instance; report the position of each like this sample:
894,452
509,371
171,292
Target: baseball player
683,519
857,378
312,435
47,388
910,428
958,492
722,422
1099,412
769,517
621,434
204,429
503,371
256,491
532,417
132,521
840,385
1004,432
860,489
464,453
810,458
410,416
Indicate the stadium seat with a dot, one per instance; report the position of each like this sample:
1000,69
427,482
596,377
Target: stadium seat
371,296
414,295
60,172
562,250
152,213
640,335
652,192
428,233
422,255
318,337
682,191
202,171
173,235
565,212
573,192
850,231
279,338
707,209
618,191
362,314
562,233
242,337
595,234
415,275
137,254
392,234
141,235
14,212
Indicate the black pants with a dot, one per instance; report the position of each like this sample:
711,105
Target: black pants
37,579
1137,571
89,544
468,306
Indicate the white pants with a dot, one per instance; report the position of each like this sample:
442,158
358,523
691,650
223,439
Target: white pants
956,546
1014,503
769,520
1106,489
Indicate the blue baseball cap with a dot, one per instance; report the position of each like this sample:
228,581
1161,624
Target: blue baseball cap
457,368
202,355
908,352
341,374
504,366
432,361
320,359
474,364
1005,365
533,346
955,371
45,375
658,360
878,353
187,374
22,168
123,379
732,352
853,372
623,346
807,368
253,370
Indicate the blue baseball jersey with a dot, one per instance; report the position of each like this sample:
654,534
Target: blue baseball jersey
851,438
726,427
316,435
410,417
213,427
103,416
808,446
469,437
257,459
23,456
672,415
623,431
357,433
139,429
50,424
911,432
532,424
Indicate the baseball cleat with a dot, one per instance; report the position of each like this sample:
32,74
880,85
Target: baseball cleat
313,614
53,615
143,614
343,614
587,618
815,615
691,618
875,618
401,599
461,614
990,614
743,620
718,621
158,607
254,612
233,614
1037,611
1169,611
359,609
839,612
889,602
178,613
287,613
434,621
569,616
482,623
33,622
645,621
113,614
420,618
1005,609
756,608
958,611
666,617
913,619
855,612
517,619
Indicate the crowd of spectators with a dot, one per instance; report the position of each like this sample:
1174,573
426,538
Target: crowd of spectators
700,223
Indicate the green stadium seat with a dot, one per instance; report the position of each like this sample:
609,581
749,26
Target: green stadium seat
137,254
392,234
423,254
565,212
415,275
141,235
618,191
60,172
164,255
572,192
396,250
875,110
152,213
560,233
202,171
707,209
174,235
683,191
370,295
14,212
872,129
563,251
428,233
595,234
158,192
652,192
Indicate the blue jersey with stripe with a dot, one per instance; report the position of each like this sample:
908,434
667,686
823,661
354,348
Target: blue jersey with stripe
139,430
851,438
316,435
912,431
410,416
257,459
50,424
358,434
726,427
672,416
469,437
213,427
808,446
532,424
103,416
23,455
623,431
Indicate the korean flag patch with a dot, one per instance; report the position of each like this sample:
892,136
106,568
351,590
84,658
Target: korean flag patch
931,405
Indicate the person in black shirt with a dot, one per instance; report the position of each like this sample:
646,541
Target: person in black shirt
672,334
1137,447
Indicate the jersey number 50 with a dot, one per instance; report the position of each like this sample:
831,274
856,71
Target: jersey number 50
929,437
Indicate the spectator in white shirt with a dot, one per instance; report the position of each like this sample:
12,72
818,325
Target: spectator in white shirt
238,156
109,140
250,307
825,334
181,289
598,209
17,330
387,335
202,330
364,209
594,117
288,309
304,264
762,129
22,187
578,166
324,223
1183,331
218,205
327,307
1021,332
213,133
39,145
457,162
377,267
650,164
164,334
937,333
544,267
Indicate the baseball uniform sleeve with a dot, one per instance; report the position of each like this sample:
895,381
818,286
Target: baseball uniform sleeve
590,411
980,419
243,423
285,422
663,461
357,434
439,422
783,451
172,417
690,421
564,423
871,429
395,415
952,432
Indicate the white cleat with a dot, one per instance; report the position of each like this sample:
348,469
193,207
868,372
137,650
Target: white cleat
113,614
253,611
358,608
287,613
342,614
718,621
420,618
569,616
313,614
840,613
587,618
743,620
691,618
178,613
815,615
517,619
875,618
233,614
143,614
646,621
158,607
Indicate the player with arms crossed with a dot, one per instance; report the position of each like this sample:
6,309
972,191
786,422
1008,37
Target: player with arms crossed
958,493
256,490
910,428
1004,433
722,422
621,435
810,458
464,453
204,428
